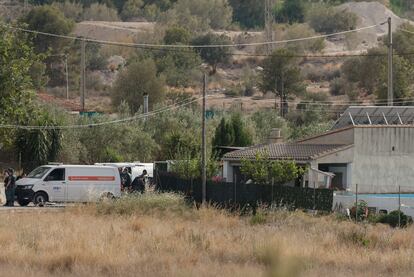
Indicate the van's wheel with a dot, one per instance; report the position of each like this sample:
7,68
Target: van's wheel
107,196
23,203
40,198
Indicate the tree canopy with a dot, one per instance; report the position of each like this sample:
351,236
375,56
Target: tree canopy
216,55
50,20
281,75
139,78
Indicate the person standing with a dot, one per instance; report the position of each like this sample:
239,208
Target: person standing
10,188
138,185
126,180
5,181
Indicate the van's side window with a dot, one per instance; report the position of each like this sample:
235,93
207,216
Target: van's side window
57,174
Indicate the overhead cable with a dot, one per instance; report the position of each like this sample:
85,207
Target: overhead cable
90,125
187,46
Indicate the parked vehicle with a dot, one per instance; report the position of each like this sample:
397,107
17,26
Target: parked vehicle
135,168
149,167
68,183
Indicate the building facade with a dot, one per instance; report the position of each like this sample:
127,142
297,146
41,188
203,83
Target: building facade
378,158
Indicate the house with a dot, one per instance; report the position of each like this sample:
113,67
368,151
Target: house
372,147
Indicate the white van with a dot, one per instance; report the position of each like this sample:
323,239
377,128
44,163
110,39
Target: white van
149,167
68,183
135,169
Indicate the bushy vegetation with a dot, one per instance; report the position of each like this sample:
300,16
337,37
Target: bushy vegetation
264,171
331,20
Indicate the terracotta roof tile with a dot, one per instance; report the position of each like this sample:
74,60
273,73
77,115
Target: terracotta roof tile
283,151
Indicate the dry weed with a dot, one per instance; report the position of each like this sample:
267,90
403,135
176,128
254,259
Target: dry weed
160,235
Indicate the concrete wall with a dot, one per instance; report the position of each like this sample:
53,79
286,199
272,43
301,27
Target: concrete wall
344,136
345,156
343,202
383,159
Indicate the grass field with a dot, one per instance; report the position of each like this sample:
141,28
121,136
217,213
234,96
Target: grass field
160,235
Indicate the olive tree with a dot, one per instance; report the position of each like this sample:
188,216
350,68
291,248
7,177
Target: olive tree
137,79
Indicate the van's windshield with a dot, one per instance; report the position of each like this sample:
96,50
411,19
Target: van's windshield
39,172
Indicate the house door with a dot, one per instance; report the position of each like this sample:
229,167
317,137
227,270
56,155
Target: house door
337,181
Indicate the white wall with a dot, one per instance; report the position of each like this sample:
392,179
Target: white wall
384,159
228,171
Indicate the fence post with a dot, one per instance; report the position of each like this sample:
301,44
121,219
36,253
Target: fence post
314,196
356,203
273,184
399,206
235,188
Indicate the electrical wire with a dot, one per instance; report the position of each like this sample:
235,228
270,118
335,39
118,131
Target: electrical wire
406,31
118,121
187,46
182,48
335,102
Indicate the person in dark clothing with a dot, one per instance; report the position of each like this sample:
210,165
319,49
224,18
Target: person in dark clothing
138,185
10,188
5,181
126,180
21,176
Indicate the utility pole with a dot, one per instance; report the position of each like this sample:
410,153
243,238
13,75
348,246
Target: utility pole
390,65
145,106
67,76
282,97
203,145
276,91
83,70
269,24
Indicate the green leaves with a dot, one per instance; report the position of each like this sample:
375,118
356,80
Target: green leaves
51,20
262,170
216,55
37,147
16,98
139,78
231,133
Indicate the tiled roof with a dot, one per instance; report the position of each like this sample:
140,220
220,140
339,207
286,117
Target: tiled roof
282,151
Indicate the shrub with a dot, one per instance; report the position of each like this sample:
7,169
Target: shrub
149,203
132,83
338,86
70,9
393,217
100,12
303,30
131,9
258,218
331,20
362,209
200,15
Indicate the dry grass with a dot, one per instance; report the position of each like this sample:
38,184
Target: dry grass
159,235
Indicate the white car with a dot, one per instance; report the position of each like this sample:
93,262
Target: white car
68,183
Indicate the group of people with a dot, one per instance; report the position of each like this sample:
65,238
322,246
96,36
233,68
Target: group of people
132,186
9,186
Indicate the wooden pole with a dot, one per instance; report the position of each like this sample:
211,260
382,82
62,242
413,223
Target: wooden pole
203,146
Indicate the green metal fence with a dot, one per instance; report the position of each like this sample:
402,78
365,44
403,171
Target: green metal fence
230,194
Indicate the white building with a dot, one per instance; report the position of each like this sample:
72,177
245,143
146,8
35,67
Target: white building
372,147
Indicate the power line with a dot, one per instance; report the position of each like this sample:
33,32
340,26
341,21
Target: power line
187,46
90,125
336,102
182,48
406,31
